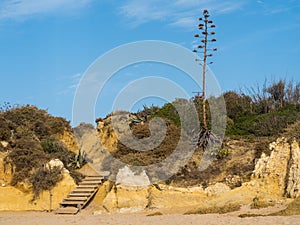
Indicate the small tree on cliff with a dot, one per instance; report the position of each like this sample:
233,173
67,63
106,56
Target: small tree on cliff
45,179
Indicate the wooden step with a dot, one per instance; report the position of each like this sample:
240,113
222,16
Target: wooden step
87,186
75,199
79,194
93,178
84,190
67,210
85,182
72,203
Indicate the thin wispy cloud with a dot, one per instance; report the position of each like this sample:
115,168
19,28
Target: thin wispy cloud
140,11
179,13
24,9
72,83
184,22
259,35
277,7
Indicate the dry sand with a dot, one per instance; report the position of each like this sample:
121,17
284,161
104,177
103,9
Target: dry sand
44,218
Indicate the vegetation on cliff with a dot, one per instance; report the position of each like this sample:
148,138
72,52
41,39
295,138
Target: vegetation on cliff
32,135
32,140
254,120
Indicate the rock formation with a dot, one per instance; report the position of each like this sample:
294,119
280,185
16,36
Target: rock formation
128,179
293,179
217,188
68,138
20,199
281,168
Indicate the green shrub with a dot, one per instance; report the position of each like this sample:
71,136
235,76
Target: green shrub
5,132
36,120
293,131
168,111
222,153
52,144
23,161
32,135
268,124
45,179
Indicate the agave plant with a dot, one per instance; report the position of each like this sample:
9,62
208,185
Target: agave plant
206,138
79,159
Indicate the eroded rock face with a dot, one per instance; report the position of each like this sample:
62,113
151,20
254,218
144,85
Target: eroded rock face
282,167
5,171
13,199
217,188
277,166
260,166
132,198
293,180
115,128
130,180
110,202
89,142
130,192
69,140
107,136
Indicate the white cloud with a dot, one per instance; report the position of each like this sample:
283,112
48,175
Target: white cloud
22,9
185,22
71,82
277,7
139,11
176,13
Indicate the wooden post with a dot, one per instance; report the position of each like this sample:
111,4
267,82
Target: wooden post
50,195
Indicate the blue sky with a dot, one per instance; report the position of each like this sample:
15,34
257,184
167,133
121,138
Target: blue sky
46,46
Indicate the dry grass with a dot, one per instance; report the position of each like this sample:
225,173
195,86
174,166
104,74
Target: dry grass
261,204
250,215
293,131
292,209
216,210
155,214
144,158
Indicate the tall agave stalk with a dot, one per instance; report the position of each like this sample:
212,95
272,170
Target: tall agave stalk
205,37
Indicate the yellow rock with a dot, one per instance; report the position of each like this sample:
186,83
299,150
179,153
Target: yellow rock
107,135
132,198
5,171
12,199
104,189
69,140
175,198
110,203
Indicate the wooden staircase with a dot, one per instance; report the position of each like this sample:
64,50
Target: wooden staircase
81,195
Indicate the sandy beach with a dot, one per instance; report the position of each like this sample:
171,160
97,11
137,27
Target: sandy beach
45,218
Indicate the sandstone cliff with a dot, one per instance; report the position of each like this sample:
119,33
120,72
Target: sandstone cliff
281,168
274,176
13,199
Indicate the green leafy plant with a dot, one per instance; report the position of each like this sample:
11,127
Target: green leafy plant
223,153
79,160
52,144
